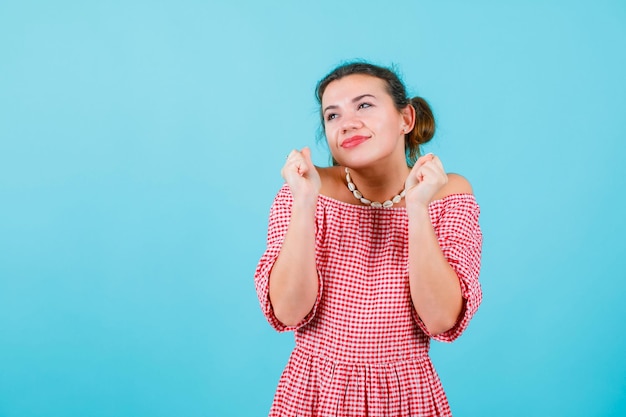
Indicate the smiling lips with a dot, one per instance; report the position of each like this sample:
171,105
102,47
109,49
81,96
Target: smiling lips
353,141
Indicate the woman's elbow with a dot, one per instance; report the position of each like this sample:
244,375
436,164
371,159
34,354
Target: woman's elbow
289,317
441,325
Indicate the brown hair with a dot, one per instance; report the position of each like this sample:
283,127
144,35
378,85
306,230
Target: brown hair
424,128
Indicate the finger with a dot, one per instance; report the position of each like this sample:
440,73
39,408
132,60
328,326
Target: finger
299,162
431,172
302,167
438,171
421,161
290,164
306,154
415,177
425,158
428,172
305,163
433,161
291,154
438,162
294,158
433,175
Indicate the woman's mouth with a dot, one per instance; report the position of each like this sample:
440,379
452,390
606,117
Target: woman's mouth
353,141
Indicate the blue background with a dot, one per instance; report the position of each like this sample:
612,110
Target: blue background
140,149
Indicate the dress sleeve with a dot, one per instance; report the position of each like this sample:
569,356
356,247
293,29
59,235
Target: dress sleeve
280,214
455,220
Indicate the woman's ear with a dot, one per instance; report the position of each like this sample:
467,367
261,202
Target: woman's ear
408,118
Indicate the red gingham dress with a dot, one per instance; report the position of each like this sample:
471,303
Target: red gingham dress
363,351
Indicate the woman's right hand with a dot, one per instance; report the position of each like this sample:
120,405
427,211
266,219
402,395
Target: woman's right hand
302,176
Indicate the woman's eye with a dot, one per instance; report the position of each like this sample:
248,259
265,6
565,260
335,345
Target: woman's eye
331,116
364,105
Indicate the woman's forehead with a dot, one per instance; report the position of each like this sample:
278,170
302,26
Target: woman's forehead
352,86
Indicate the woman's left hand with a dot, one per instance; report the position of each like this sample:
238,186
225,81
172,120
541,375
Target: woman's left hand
426,178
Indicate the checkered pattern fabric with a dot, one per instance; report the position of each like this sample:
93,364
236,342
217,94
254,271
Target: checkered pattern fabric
363,351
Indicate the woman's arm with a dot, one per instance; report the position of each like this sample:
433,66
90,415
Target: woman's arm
435,288
434,285
293,282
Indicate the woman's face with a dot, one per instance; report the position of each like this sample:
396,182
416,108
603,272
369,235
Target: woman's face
361,122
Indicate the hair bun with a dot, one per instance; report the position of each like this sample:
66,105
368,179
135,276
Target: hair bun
424,129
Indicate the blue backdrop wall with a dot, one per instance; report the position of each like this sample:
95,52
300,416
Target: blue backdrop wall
140,149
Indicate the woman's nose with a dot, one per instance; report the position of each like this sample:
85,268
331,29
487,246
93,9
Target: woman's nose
350,122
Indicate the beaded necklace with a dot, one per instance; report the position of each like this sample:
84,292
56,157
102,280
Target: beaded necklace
357,194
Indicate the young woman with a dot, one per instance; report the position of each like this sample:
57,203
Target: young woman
369,259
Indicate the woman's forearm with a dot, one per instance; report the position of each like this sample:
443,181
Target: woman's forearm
293,283
435,288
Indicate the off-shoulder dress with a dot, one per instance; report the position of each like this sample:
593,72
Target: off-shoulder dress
363,350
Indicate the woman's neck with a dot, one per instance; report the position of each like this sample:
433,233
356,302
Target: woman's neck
379,183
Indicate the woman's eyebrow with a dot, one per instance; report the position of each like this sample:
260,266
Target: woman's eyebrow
354,100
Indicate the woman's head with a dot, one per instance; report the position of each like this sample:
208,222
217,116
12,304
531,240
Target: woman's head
424,127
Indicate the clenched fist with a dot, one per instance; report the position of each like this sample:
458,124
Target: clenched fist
302,176
426,178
